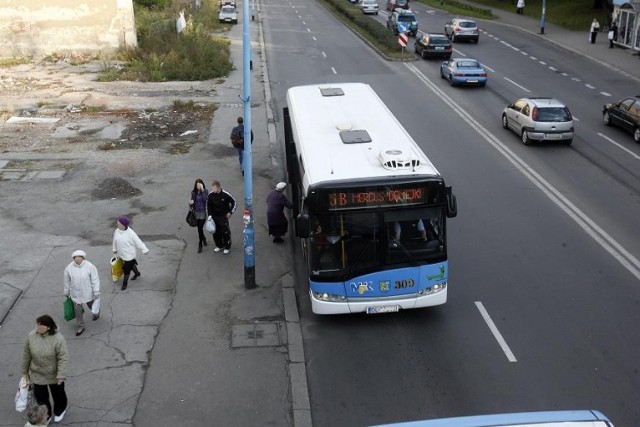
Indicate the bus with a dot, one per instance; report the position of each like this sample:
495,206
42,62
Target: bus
369,206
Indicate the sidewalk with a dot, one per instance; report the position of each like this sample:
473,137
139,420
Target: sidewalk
626,62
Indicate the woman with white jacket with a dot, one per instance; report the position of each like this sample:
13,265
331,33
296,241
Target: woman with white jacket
82,285
125,244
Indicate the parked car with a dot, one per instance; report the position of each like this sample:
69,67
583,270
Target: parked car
429,45
405,18
463,71
462,29
624,114
228,13
227,3
369,6
397,4
539,119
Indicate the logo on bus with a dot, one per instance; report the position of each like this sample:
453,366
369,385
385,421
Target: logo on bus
437,276
361,287
384,286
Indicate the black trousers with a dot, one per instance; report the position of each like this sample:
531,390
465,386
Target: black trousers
41,394
222,236
200,225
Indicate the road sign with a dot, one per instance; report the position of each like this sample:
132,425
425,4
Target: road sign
403,27
403,40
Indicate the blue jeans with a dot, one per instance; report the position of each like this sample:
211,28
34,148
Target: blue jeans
240,154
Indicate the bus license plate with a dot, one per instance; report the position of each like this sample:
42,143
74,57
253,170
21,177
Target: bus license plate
383,309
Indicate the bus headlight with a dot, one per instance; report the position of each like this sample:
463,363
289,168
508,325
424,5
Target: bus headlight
438,287
323,296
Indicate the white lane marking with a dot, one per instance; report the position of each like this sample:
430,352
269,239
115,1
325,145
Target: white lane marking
334,70
459,53
542,63
516,84
324,54
575,79
308,30
605,93
575,119
314,38
534,58
515,48
304,23
593,230
564,74
589,86
524,53
552,68
496,333
488,68
637,157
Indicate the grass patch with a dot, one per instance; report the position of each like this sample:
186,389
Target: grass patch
164,55
11,62
191,107
573,15
461,9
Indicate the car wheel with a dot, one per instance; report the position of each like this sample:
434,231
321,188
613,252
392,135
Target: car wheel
451,82
442,74
423,54
525,138
415,48
453,37
636,134
568,141
505,121
606,118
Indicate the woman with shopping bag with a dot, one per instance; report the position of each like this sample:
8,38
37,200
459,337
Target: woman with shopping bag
125,245
45,363
82,285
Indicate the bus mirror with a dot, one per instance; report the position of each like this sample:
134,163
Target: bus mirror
303,229
452,204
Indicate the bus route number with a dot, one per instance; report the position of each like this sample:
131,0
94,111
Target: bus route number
400,284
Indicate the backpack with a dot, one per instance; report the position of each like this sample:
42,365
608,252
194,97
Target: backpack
237,137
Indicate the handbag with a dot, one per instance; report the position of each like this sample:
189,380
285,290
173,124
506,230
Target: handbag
117,268
22,395
210,225
95,306
69,314
191,218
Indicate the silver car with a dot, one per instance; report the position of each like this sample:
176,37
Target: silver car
459,29
539,119
228,13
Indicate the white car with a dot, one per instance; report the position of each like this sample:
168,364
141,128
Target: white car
369,6
228,13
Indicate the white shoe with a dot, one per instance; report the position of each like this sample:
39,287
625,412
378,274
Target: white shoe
217,249
226,251
58,418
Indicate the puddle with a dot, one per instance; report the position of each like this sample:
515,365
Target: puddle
97,128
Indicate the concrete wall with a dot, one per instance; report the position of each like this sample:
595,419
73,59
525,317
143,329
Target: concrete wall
42,27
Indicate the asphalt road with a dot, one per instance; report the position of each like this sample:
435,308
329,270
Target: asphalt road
541,242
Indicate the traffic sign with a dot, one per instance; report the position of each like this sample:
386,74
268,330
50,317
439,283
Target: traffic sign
403,40
403,27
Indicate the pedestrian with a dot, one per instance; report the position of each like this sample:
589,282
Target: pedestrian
237,140
276,219
82,285
37,415
220,206
595,27
520,7
45,362
125,245
198,202
613,35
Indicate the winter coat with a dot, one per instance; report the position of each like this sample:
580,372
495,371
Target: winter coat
45,358
276,202
81,282
125,243
220,204
520,4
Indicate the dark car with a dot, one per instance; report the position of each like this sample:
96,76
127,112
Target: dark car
432,45
624,114
405,19
397,4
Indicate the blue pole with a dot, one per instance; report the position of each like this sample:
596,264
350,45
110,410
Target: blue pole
248,237
544,11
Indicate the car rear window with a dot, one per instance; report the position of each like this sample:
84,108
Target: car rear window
406,18
553,114
467,24
468,64
439,40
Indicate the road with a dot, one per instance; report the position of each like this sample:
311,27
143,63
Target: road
545,243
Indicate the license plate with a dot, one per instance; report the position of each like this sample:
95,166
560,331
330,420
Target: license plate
439,48
554,136
383,309
472,81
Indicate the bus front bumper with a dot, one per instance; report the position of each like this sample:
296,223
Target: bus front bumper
390,304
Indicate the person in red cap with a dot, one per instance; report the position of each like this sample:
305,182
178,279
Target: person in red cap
125,245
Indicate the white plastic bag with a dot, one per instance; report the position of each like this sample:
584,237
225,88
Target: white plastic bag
95,307
22,395
210,225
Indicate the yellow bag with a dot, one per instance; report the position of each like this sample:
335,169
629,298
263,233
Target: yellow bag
117,270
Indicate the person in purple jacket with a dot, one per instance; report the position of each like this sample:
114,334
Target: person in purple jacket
277,221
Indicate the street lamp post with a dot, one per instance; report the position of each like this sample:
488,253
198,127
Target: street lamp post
544,11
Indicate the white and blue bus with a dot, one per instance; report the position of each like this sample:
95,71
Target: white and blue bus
370,207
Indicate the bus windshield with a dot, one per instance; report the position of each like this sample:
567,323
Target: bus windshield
350,243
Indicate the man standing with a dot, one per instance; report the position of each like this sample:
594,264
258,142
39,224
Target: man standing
220,205
237,140
82,284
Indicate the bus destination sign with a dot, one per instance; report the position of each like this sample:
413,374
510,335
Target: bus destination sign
376,197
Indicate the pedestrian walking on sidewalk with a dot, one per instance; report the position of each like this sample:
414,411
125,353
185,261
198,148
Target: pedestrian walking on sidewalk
198,202
220,206
613,35
37,415
82,285
595,27
237,140
520,7
276,219
45,363
125,244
